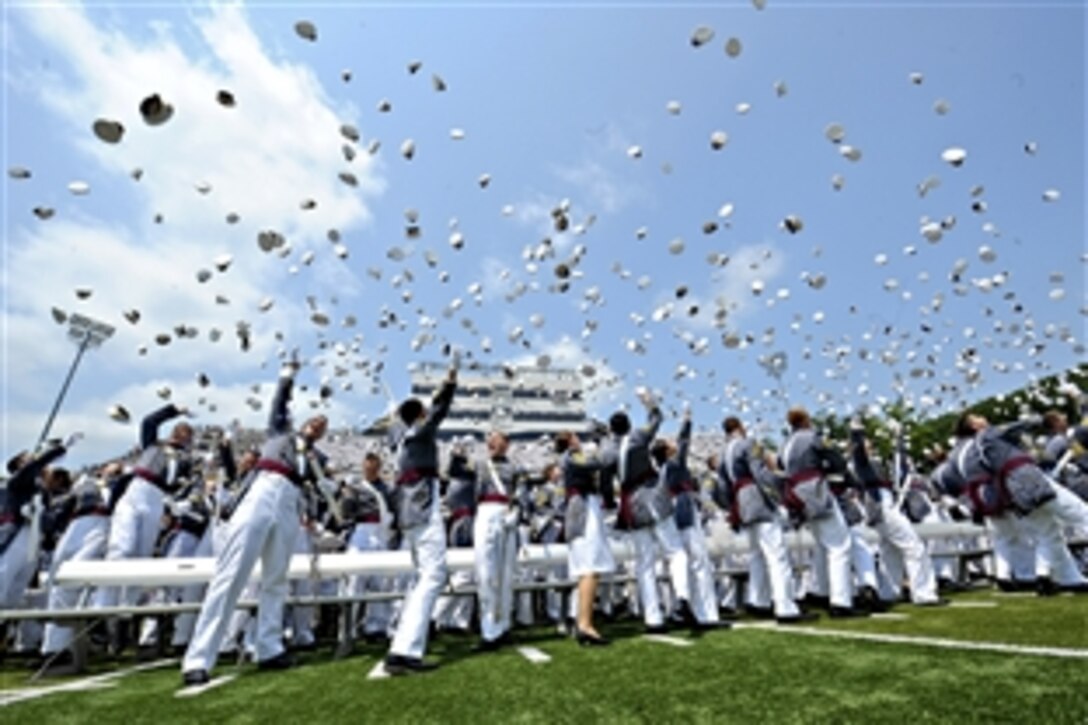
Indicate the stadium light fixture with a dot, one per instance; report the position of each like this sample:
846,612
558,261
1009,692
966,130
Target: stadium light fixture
87,333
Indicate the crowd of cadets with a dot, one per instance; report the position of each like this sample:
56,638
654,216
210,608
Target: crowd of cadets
244,505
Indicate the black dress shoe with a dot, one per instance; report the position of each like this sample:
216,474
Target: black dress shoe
798,618
586,639
377,637
1074,588
869,599
400,665
282,661
1045,587
195,678
817,600
658,629
487,645
687,615
711,626
846,613
758,612
727,613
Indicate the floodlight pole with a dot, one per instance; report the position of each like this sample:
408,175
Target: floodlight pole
64,388
89,333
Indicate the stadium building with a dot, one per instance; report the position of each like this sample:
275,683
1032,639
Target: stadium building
525,402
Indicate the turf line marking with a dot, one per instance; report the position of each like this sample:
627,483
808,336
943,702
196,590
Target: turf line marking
999,647
378,673
665,639
95,682
890,616
972,605
534,655
211,684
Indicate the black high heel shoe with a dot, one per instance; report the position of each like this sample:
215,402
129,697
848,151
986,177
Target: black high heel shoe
586,639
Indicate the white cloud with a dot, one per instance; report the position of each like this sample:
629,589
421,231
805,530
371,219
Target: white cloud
604,190
731,286
258,169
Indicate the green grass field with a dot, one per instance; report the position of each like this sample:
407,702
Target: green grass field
751,674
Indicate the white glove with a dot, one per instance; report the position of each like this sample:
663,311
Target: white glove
455,358
73,439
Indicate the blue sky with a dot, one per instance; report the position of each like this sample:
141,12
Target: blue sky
550,99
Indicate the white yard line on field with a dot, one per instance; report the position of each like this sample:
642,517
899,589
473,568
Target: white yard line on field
95,682
890,616
665,639
534,655
999,647
198,689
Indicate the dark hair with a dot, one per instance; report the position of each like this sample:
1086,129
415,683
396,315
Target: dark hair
963,428
60,478
372,456
16,462
562,441
1052,418
798,418
660,451
619,423
410,410
731,424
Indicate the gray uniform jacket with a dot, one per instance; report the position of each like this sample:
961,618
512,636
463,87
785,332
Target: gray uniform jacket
807,492
160,463
461,501
966,475
1027,486
581,478
643,501
548,513
366,503
499,479
737,468
417,463
291,452
677,480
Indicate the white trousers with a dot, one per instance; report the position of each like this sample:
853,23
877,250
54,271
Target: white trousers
661,538
862,559
83,540
495,545
901,548
427,543
455,612
1070,509
263,528
1014,548
769,574
370,537
833,548
16,570
702,596
134,527
1047,524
